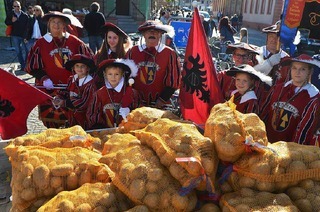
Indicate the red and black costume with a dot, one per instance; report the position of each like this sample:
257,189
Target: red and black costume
284,109
159,72
78,98
104,111
246,103
46,59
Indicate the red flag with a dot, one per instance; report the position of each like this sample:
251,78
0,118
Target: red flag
17,99
199,90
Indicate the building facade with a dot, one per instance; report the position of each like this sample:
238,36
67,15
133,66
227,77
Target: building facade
256,13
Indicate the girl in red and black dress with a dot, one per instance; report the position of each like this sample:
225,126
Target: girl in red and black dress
115,45
80,90
290,109
113,101
245,79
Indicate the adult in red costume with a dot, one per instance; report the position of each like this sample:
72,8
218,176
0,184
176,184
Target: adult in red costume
46,62
159,67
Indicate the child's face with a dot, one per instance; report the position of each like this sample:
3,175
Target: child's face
113,75
243,82
300,73
81,69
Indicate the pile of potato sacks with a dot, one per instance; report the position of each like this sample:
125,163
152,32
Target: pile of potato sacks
156,162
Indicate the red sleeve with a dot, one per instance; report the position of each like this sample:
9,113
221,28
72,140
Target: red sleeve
306,130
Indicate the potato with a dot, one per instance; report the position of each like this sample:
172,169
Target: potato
72,181
179,202
41,177
296,193
139,171
151,200
27,182
56,182
155,174
62,170
28,194
246,182
265,186
209,207
27,169
137,189
85,177
296,166
100,208
84,207
102,175
34,161
66,206
306,184
304,205
151,187
107,199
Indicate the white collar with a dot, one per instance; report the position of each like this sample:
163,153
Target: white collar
48,37
312,90
118,87
159,47
83,80
245,97
266,53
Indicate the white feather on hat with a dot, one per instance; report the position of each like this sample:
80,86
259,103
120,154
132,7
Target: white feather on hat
132,66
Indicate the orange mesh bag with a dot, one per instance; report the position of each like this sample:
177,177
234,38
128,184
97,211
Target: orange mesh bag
306,195
274,171
136,170
89,197
141,117
189,156
234,133
39,173
249,200
51,138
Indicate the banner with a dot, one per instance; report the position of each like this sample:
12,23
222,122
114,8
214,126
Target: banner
199,90
17,99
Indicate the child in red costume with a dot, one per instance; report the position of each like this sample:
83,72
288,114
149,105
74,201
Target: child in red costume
288,111
245,79
80,90
116,98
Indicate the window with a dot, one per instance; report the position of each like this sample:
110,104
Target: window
256,11
270,7
263,6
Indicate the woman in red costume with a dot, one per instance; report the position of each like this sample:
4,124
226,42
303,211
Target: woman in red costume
46,62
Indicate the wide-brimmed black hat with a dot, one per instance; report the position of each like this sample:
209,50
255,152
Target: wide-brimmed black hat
155,25
245,68
110,26
250,48
52,14
128,66
80,58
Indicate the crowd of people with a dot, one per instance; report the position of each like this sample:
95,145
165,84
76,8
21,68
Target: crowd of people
110,77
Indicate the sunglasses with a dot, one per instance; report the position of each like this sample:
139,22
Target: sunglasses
244,56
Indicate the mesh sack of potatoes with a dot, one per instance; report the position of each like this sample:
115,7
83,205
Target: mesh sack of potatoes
141,117
51,138
183,150
39,173
136,170
229,130
274,171
249,200
306,195
89,197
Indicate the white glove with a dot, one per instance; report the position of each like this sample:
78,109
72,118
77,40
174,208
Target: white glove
275,59
48,84
124,111
264,67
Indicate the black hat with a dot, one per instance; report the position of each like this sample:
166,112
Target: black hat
51,14
80,58
110,26
155,25
245,68
128,66
250,48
